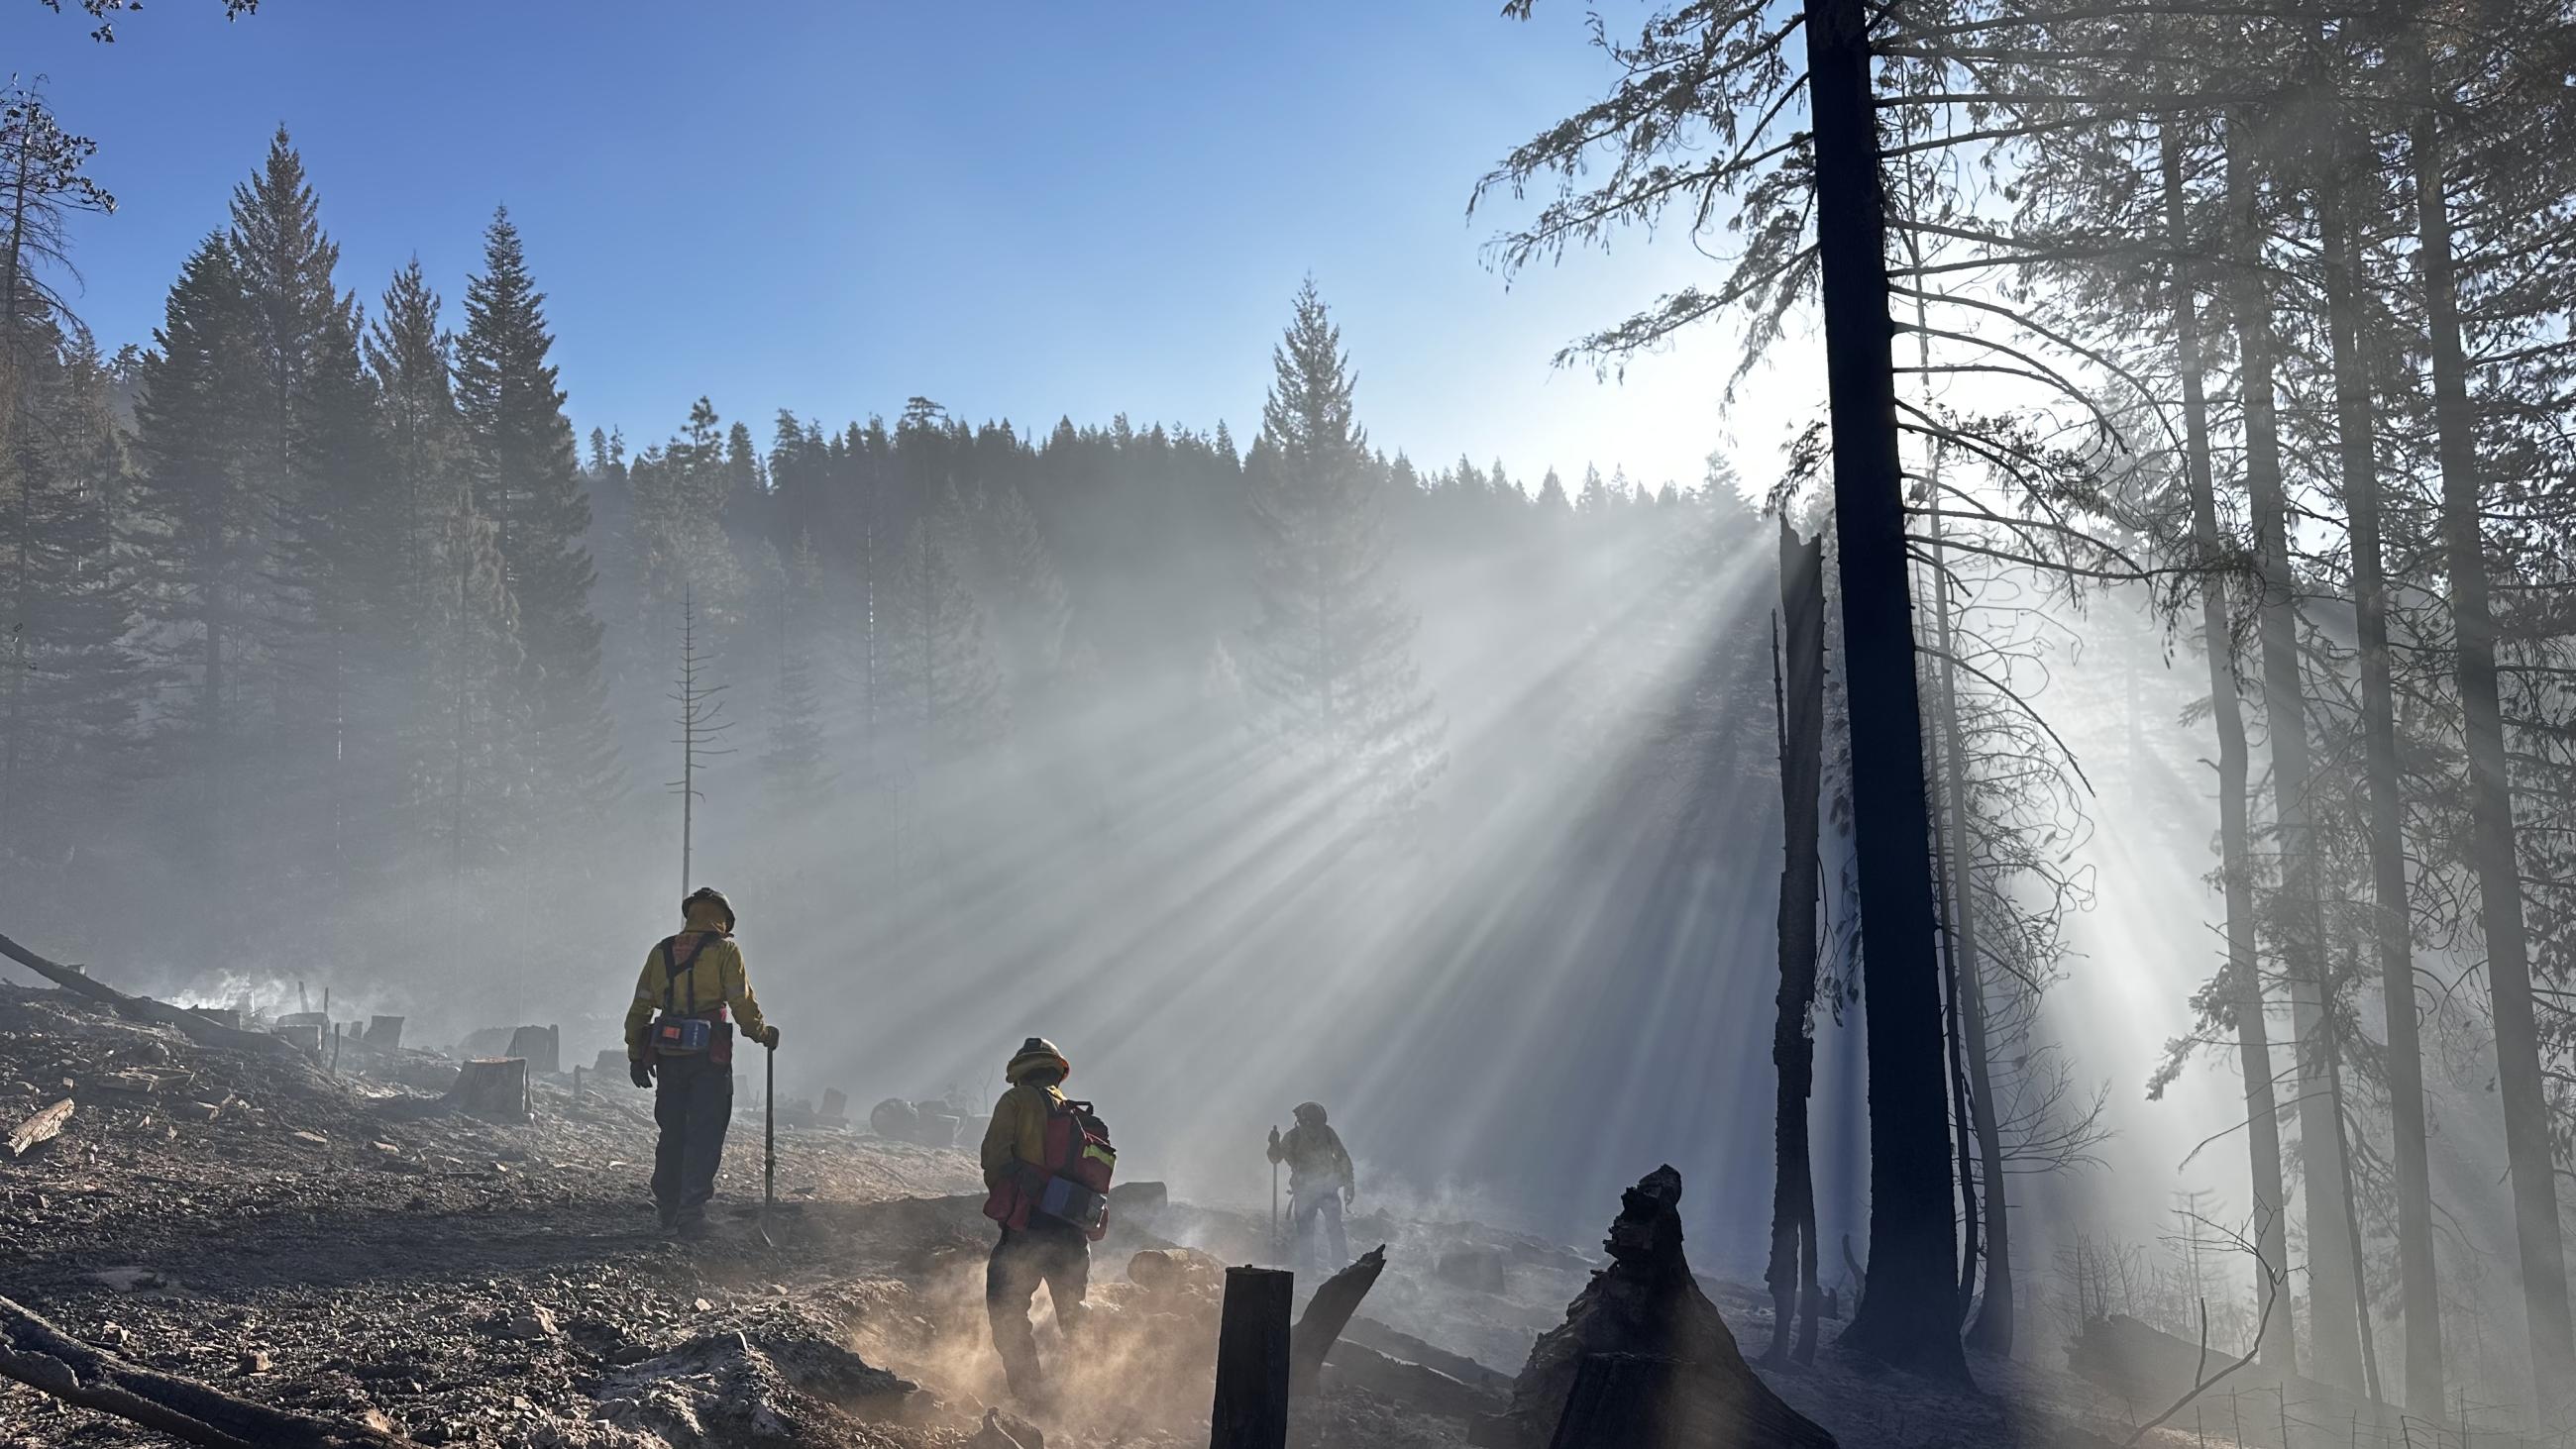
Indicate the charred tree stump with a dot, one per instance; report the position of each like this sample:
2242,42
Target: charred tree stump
1620,1401
1251,1410
1326,1315
35,1352
1646,1305
541,1047
495,1087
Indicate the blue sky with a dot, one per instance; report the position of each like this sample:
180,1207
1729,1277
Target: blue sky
1020,210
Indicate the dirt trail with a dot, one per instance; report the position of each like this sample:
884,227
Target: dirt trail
347,1245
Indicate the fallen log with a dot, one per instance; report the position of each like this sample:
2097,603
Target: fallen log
39,1128
1326,1315
196,1027
1414,1386
36,1353
1369,1333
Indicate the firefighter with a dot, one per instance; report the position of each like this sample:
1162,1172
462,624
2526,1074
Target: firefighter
680,1044
1045,1249
1321,1182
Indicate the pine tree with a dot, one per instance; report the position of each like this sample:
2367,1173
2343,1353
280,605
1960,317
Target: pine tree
341,552
286,263
462,743
1552,502
682,494
198,548
62,700
1030,604
944,694
408,360
746,509
66,707
527,480
1333,669
475,786
796,762
1595,499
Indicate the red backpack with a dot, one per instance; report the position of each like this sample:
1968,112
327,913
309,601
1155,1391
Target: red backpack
1071,1183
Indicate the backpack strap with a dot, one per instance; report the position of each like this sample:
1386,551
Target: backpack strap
673,970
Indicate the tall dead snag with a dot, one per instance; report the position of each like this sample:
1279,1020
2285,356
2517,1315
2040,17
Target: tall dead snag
2333,1297
1908,1314
2279,1347
2492,849
1799,685
2392,926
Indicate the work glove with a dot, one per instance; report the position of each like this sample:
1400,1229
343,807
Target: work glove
642,1074
1274,1136
1350,1195
769,1037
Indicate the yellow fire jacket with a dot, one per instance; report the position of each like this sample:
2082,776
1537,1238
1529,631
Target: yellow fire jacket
716,976
1017,1132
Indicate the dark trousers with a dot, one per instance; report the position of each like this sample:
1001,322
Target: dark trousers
692,1103
1046,1252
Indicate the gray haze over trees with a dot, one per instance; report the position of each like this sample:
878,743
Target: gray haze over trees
2237,332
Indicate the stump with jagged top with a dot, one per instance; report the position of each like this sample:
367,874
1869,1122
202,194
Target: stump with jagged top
1643,1324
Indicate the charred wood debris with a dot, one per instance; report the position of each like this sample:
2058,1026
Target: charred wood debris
220,1233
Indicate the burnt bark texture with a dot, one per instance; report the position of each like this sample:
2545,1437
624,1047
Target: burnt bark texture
1251,1409
1908,1314
1791,1275
1647,1306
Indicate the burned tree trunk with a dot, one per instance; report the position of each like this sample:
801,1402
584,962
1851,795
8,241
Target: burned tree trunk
2392,929
1646,1304
1799,685
1976,1128
1620,1401
1962,1123
2333,1297
1251,1409
1909,1314
1326,1315
2492,848
2244,969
